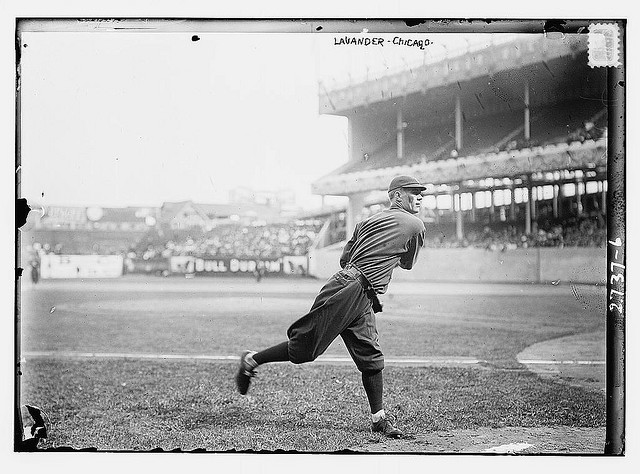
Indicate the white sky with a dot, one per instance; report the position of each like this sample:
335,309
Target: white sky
128,119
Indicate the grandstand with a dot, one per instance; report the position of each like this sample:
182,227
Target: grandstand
92,230
513,134
232,240
157,240
510,141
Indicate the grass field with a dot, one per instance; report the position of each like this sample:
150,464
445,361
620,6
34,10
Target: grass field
119,400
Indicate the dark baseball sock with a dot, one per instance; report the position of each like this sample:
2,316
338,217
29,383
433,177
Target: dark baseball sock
372,381
277,353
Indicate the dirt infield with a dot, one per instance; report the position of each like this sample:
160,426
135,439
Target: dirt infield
547,440
577,360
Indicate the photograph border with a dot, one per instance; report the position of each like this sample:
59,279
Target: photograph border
616,151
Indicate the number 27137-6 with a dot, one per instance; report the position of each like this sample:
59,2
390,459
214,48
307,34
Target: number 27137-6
617,306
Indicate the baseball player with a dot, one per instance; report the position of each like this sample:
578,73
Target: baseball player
347,302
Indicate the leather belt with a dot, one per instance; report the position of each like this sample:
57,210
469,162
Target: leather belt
368,289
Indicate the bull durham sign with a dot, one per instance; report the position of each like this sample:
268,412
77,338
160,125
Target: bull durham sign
234,265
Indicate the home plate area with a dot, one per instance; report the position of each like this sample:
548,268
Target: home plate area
501,441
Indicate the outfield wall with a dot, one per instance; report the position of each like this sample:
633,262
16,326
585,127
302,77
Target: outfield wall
81,266
535,265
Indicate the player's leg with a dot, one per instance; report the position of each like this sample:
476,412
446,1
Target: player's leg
338,303
250,360
303,332
277,353
310,335
373,384
361,339
372,381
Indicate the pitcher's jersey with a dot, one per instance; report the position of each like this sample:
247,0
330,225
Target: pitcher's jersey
390,238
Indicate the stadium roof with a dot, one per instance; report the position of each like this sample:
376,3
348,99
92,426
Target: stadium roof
240,209
169,210
564,93
122,214
429,83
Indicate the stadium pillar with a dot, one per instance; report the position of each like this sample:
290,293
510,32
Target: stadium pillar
458,114
473,206
492,206
603,198
527,219
555,200
527,124
354,209
459,223
579,197
560,197
512,205
400,135
533,195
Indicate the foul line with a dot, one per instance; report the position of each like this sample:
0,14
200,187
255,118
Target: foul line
228,358
321,359
563,362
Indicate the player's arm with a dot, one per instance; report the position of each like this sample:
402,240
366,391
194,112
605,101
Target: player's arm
410,257
346,253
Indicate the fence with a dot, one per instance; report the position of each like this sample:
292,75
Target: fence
534,265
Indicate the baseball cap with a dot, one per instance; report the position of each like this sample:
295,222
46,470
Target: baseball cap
405,182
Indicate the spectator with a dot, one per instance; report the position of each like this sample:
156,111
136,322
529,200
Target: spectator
35,271
584,232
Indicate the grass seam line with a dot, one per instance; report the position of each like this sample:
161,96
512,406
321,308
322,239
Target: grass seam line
221,358
562,362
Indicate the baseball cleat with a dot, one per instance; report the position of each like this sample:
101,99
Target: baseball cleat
385,427
246,370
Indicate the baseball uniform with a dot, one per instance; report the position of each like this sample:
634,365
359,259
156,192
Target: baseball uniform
385,240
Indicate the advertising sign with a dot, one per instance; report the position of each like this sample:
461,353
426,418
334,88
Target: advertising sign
155,266
235,266
81,266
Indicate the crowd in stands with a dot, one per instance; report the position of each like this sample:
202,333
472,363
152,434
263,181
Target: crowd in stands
47,248
588,131
274,241
263,242
585,232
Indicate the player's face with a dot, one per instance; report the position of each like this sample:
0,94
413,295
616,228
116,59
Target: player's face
411,200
